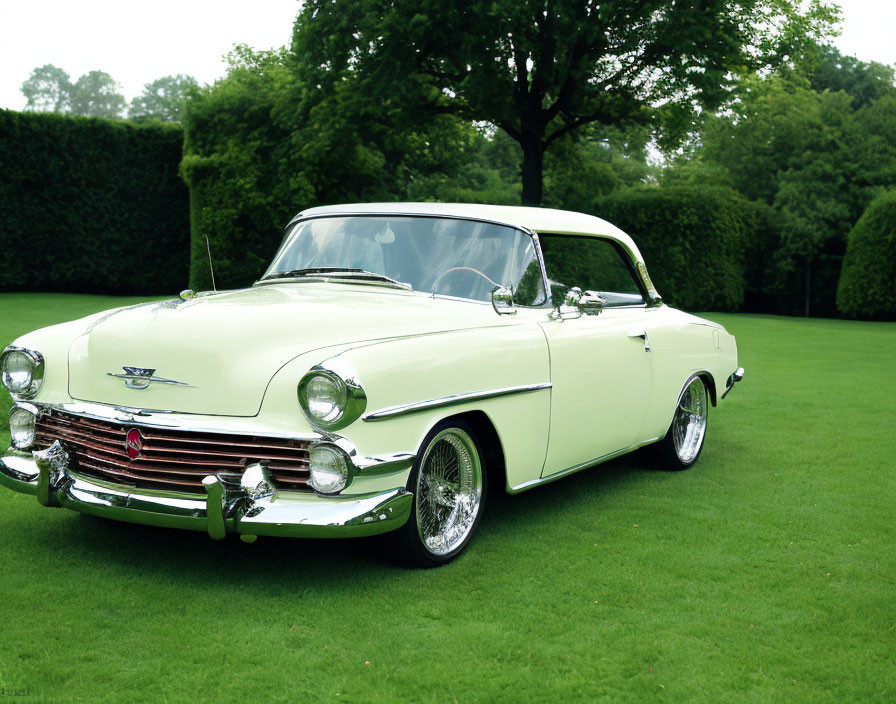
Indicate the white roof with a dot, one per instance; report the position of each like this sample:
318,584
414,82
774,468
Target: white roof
547,220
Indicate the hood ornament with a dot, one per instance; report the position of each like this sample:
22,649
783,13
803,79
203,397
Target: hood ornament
140,378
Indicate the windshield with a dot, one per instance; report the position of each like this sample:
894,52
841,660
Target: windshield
447,256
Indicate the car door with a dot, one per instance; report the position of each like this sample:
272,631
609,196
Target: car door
601,367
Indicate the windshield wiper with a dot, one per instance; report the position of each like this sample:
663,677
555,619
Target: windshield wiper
335,272
310,272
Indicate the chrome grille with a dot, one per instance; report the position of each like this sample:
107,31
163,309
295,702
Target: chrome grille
171,459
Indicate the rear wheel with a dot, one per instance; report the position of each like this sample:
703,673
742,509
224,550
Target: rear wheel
684,440
449,483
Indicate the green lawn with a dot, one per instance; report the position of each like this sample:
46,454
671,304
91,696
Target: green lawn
767,572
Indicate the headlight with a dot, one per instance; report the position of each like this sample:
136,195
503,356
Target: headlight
325,397
329,469
21,371
330,395
21,427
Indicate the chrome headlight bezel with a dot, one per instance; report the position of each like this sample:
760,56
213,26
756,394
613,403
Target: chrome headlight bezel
30,413
345,464
352,398
36,378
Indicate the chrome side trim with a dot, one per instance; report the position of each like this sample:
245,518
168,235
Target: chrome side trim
577,468
404,409
392,463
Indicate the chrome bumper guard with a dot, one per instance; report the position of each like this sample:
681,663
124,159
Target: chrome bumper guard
250,508
736,376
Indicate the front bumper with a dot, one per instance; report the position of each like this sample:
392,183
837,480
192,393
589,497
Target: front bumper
248,510
736,376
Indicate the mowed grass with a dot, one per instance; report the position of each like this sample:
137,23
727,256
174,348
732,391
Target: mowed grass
765,573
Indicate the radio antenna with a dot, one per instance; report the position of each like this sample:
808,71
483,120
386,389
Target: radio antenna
211,267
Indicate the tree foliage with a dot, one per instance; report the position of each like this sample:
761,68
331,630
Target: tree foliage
864,81
816,157
95,94
539,70
867,286
241,167
48,89
163,99
259,147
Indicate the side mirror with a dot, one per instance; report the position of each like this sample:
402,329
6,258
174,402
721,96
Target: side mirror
502,301
591,303
572,297
584,303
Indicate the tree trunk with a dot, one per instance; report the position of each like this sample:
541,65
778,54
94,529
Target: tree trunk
808,284
533,165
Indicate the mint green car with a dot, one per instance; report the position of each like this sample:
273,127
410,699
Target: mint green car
394,364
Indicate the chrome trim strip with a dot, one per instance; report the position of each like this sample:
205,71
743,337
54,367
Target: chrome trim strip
392,463
404,409
577,468
166,419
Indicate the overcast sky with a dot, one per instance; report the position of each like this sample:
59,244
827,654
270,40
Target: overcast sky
138,42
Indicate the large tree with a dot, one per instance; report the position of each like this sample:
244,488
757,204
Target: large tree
798,143
96,94
47,89
539,69
163,99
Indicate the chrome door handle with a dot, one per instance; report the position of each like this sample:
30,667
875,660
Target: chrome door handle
642,333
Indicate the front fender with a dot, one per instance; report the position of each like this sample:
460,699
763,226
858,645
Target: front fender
432,367
438,367
53,343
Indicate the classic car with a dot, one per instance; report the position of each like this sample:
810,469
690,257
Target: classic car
394,364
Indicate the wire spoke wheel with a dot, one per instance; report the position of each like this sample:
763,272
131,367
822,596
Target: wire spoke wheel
689,423
448,491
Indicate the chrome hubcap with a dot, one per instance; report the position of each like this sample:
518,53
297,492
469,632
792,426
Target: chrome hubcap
449,491
689,425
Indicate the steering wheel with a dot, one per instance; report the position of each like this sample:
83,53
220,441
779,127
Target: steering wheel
462,268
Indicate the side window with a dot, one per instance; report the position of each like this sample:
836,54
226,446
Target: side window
592,264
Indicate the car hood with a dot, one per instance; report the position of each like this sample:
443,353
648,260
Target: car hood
225,348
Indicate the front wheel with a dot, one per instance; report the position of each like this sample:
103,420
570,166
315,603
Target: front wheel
448,483
684,440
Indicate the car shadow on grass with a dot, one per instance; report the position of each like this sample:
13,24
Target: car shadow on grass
508,526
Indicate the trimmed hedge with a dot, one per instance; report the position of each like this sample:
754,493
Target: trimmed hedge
705,248
241,167
867,287
91,205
